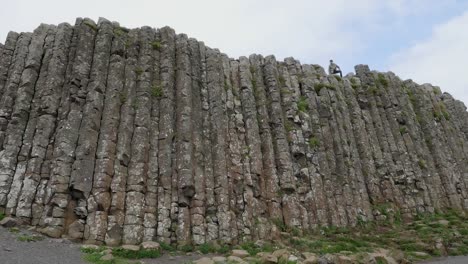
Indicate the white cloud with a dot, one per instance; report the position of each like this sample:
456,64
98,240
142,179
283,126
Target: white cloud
310,30
440,59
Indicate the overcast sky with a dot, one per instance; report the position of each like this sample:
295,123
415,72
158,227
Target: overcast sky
425,40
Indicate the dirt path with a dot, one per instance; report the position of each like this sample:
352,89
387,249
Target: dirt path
45,251
449,260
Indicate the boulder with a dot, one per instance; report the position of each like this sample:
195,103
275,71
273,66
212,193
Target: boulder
240,253
152,245
9,222
131,247
204,260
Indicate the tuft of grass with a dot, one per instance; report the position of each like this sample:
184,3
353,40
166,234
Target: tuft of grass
282,81
374,90
30,238
319,86
123,97
207,248
382,80
156,91
403,130
156,45
2,215
223,249
302,104
288,125
14,230
313,142
138,71
422,164
186,248
140,254
253,248
119,31
167,247
278,222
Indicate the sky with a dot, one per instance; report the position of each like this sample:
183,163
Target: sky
423,40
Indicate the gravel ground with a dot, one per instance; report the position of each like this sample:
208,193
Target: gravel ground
46,251
449,260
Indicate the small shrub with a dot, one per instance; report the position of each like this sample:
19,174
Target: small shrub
402,130
382,80
186,248
156,45
254,84
446,115
130,254
278,222
288,126
302,104
119,32
207,248
252,69
319,86
374,90
282,81
313,142
138,71
156,91
224,249
422,164
123,97
167,247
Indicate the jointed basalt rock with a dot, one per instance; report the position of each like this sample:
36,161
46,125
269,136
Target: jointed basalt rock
110,135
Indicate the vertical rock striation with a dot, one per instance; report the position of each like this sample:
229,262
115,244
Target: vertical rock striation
111,135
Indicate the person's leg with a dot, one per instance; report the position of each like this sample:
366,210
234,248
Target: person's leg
341,74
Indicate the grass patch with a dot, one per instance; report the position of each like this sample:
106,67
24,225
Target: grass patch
289,126
156,45
403,130
253,248
2,215
156,91
282,81
382,80
319,86
167,247
119,31
138,71
422,164
302,104
314,142
30,238
130,254
14,230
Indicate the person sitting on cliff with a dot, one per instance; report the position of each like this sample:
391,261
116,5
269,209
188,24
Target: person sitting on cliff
333,68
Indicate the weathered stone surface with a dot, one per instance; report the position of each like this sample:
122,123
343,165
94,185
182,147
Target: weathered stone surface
120,136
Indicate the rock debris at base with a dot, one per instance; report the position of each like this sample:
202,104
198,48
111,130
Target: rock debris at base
114,136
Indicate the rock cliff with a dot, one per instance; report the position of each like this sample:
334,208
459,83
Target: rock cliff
114,135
